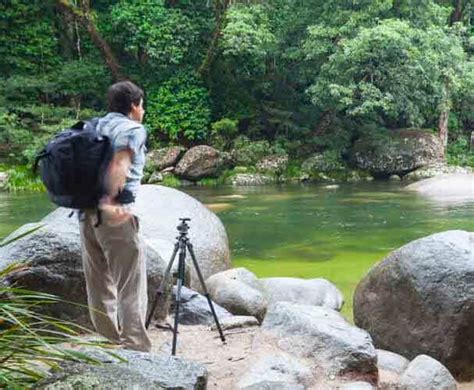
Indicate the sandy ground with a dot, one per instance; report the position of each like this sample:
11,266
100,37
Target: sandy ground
225,363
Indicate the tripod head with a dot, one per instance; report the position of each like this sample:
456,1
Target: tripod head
183,227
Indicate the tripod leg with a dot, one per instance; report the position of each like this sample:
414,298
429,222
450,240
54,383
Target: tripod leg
181,275
161,289
206,293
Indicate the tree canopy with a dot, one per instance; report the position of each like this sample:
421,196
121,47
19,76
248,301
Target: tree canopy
306,74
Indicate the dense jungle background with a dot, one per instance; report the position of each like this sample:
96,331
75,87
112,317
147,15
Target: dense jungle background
287,77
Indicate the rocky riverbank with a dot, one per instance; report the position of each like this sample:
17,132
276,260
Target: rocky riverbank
282,332
407,155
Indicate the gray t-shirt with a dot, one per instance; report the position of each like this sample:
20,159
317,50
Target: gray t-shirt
125,133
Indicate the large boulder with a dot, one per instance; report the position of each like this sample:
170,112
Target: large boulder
426,373
399,152
420,300
128,370
317,292
159,209
323,337
446,188
51,252
435,170
239,291
199,162
52,248
160,159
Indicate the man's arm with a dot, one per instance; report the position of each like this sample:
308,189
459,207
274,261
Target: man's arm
117,172
114,182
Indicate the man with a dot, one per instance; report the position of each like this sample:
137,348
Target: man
112,251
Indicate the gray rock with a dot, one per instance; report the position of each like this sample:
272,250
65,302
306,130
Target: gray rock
236,322
427,373
199,162
275,164
166,157
324,337
317,292
318,163
238,291
446,188
139,371
276,372
53,254
420,300
3,180
401,151
159,209
391,361
195,310
435,170
359,385
251,179
395,178
156,177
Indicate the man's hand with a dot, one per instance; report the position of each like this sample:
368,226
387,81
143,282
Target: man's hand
115,214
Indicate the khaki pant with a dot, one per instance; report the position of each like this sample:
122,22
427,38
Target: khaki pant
115,273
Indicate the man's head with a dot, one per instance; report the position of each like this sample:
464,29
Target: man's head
126,98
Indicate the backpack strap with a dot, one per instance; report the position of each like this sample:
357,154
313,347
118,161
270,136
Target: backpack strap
99,218
39,156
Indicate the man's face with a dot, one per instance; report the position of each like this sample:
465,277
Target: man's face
137,112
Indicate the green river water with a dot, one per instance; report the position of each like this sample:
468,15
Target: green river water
304,231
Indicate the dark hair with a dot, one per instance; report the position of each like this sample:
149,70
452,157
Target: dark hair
121,95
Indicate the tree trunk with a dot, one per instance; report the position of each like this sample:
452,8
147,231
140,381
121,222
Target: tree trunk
443,127
458,12
84,18
220,8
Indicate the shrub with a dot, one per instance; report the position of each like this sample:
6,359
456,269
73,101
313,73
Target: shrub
32,343
179,109
223,132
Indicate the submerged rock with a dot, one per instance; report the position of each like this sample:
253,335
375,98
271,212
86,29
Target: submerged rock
446,188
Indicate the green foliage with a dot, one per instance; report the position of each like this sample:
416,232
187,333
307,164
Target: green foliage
458,153
32,343
25,130
152,33
223,132
247,34
28,39
247,153
179,109
171,181
21,178
277,67
392,70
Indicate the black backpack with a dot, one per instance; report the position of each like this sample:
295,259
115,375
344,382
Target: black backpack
73,166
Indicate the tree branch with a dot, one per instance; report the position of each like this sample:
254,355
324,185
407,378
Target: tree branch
83,16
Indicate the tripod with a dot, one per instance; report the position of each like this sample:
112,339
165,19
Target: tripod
181,245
